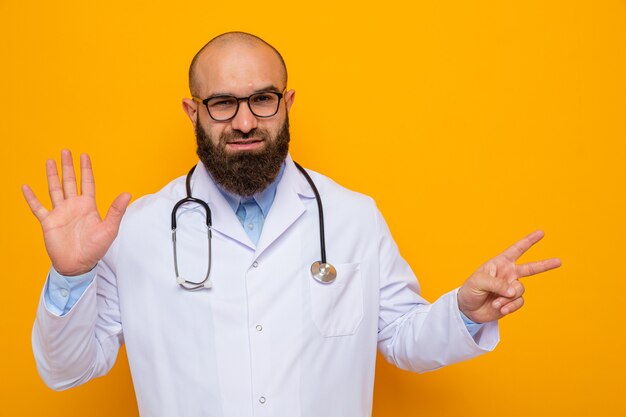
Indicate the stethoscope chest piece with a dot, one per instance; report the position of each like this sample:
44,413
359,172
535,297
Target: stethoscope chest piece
324,273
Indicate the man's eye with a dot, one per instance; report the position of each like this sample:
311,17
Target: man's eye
221,103
262,98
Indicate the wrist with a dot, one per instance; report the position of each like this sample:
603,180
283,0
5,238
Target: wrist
72,273
466,319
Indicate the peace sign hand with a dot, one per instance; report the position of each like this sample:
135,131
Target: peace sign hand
76,237
494,290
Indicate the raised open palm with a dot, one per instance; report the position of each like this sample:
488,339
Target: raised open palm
75,235
494,290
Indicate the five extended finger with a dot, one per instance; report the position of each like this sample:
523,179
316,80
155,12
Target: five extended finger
87,183
69,177
117,210
35,205
54,183
515,251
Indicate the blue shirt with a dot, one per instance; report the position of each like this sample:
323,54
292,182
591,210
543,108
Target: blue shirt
252,211
63,292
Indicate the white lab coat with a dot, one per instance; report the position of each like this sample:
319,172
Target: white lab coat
266,340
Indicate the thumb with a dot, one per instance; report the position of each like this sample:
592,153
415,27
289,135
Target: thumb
116,211
487,283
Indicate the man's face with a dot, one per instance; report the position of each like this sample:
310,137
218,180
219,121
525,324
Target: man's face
245,146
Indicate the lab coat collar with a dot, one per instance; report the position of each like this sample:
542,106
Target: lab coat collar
223,217
286,208
296,180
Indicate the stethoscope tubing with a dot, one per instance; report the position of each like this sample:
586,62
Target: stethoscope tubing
320,270
320,210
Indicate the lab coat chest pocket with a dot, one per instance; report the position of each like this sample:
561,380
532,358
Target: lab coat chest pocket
337,308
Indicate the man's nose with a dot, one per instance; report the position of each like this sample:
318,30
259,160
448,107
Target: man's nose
244,120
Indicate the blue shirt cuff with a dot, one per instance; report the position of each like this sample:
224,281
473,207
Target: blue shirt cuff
472,327
62,292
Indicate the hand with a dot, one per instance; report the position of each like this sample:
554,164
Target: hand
494,290
76,237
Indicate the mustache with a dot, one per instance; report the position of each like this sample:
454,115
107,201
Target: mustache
255,133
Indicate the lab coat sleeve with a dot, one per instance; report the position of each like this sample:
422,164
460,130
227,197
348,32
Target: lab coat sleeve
414,334
82,344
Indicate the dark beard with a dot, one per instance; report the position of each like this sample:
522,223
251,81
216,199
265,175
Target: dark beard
243,173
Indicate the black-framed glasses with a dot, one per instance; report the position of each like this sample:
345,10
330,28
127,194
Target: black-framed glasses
225,107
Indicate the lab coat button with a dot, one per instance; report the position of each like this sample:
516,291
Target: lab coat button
259,327
255,264
64,293
262,400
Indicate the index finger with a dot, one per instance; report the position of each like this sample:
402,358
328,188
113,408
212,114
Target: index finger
515,251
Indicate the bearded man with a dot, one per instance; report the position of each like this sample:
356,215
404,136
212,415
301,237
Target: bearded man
228,320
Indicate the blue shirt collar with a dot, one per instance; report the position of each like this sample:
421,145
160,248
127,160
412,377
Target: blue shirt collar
264,199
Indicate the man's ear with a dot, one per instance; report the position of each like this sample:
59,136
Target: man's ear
191,109
290,96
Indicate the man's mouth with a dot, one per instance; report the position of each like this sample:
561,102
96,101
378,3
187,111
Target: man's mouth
244,144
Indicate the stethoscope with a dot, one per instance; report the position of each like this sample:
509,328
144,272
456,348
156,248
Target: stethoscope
321,270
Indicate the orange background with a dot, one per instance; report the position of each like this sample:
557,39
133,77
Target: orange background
471,124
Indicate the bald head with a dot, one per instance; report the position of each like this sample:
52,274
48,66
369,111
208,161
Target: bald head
221,44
